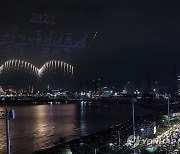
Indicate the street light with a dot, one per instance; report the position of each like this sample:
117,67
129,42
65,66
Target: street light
7,115
133,100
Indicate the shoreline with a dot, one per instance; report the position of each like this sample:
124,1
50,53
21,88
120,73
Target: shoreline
101,133
148,102
154,104
96,135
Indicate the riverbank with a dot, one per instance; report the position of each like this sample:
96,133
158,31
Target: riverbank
104,137
79,114
148,103
39,126
39,100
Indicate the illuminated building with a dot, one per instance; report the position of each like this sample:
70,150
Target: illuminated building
178,83
129,88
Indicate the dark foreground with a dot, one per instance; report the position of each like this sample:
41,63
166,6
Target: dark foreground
117,135
114,137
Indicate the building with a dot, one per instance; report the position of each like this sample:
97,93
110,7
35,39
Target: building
129,88
107,91
173,82
155,88
94,85
178,83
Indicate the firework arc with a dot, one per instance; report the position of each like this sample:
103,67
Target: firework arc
49,65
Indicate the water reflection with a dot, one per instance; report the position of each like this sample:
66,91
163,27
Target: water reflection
83,126
38,126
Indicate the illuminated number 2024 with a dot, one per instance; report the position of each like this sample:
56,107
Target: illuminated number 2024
40,18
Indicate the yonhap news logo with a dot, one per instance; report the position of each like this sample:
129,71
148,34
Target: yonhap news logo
135,141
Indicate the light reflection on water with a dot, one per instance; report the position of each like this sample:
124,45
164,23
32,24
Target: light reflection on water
38,126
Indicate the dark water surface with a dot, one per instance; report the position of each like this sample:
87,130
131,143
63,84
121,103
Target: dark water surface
38,126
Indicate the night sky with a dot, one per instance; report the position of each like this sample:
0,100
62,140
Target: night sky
134,40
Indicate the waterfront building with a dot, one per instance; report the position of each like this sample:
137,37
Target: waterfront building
178,83
92,85
107,91
129,88
173,81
